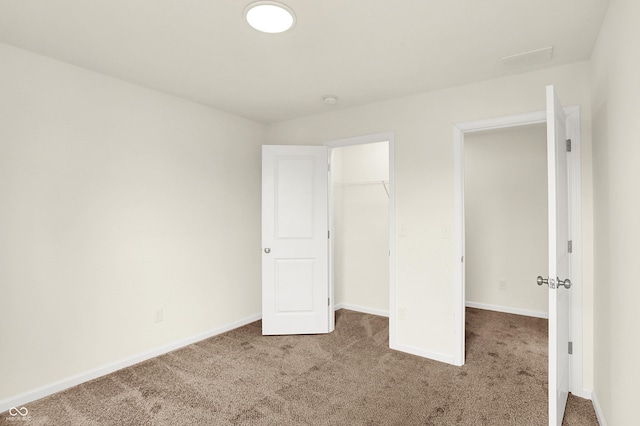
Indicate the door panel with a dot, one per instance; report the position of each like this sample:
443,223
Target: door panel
294,285
559,262
295,268
295,190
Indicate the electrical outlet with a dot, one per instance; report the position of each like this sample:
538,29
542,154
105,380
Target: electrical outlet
402,313
446,232
502,285
159,315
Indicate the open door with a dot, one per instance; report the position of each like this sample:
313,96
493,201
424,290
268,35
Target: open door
559,261
295,240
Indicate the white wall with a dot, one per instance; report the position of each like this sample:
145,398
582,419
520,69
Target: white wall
120,199
361,226
424,187
116,201
615,67
506,243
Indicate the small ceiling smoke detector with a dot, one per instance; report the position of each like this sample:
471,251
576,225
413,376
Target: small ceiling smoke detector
270,16
528,58
330,100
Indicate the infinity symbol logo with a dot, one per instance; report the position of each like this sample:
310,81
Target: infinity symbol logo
13,411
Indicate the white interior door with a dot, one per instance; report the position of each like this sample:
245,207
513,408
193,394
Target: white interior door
295,241
559,261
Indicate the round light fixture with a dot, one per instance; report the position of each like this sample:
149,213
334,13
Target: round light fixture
270,16
330,100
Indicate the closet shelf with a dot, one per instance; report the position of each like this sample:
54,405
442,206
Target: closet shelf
362,183
384,183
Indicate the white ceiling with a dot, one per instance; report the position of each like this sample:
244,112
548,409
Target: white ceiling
359,50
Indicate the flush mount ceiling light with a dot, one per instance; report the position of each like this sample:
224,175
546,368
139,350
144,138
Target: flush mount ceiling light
330,100
269,16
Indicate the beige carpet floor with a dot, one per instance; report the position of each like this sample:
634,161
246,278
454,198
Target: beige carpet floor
348,377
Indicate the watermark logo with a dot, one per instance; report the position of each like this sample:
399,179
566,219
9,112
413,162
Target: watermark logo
21,413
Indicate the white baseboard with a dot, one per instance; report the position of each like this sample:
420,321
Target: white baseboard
448,359
598,409
46,390
584,393
507,310
362,309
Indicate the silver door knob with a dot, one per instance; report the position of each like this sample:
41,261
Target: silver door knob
566,283
267,250
541,280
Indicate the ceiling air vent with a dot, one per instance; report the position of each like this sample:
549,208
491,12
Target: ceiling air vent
528,58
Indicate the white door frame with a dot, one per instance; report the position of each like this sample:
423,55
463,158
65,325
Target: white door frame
575,202
361,140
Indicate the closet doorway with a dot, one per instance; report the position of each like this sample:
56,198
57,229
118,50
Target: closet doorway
505,202
360,183
362,223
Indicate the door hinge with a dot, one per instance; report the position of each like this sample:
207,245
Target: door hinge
570,348
329,166
570,246
328,301
329,234
568,145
